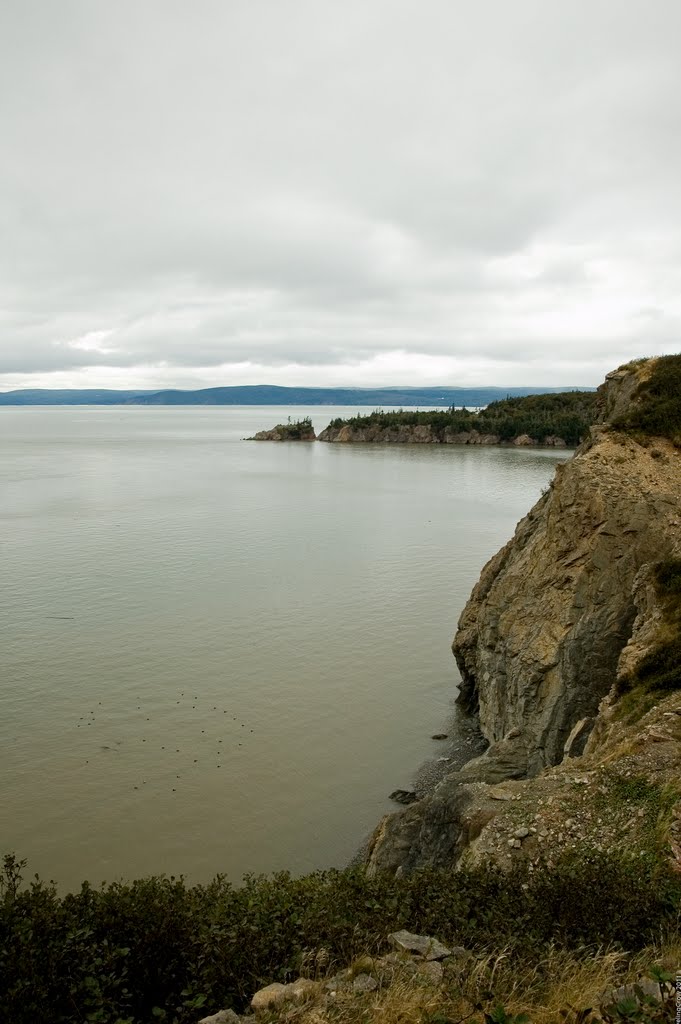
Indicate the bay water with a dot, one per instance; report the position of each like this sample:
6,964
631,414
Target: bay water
220,656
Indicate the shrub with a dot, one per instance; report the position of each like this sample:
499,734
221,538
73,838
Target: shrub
159,949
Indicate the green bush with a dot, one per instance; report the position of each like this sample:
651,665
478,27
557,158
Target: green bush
160,949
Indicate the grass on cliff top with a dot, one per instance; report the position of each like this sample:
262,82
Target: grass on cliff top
567,415
552,989
657,408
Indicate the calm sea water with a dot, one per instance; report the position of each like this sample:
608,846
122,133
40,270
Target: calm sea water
221,656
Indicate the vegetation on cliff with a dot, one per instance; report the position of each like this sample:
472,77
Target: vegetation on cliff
157,949
299,430
656,409
566,415
660,669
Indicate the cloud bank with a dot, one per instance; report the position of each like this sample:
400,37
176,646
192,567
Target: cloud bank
307,192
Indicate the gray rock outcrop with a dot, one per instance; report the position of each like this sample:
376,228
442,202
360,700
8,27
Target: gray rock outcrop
285,432
421,433
539,641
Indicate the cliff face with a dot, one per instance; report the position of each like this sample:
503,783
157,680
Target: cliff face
563,607
423,433
286,432
539,640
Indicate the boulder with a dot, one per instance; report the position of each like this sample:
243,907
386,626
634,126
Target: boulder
364,983
276,994
222,1017
403,796
424,945
271,995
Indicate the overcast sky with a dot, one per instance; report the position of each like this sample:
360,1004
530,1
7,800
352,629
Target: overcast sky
359,192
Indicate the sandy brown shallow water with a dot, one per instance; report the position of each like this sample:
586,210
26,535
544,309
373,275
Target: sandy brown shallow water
220,656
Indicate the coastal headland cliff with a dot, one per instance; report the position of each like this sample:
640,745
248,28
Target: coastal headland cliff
552,420
299,430
551,862
559,644
424,433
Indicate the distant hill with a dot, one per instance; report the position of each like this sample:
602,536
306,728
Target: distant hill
89,396
266,394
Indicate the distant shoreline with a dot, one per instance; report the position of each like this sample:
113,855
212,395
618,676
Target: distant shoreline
265,394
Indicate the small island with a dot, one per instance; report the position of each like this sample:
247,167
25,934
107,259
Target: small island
299,430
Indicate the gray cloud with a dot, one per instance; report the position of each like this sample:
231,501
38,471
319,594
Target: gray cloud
247,191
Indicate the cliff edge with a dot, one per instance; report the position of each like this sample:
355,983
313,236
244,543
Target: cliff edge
566,609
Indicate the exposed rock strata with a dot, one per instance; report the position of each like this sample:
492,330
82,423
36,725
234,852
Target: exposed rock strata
423,433
557,613
539,640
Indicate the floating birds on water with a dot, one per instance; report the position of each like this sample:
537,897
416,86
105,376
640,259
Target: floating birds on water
91,719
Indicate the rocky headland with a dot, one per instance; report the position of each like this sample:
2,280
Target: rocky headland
425,434
557,649
549,861
552,420
300,430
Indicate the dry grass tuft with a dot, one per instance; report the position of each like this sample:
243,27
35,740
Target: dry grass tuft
560,980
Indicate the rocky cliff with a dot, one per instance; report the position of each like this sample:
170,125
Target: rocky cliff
301,430
562,610
424,433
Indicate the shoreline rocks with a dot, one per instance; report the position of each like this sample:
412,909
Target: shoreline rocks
303,431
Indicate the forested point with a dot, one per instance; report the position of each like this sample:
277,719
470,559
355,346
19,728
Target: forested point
567,415
296,430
